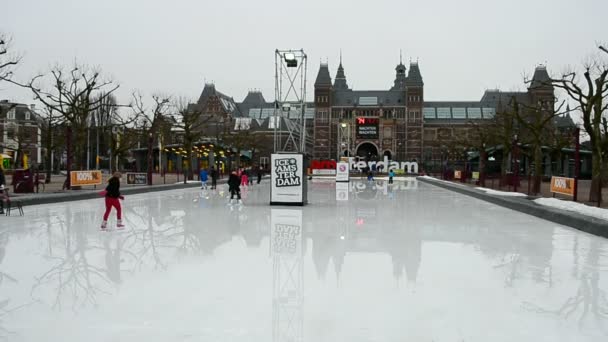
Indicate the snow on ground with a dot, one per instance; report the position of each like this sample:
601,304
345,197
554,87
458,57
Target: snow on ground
501,193
574,206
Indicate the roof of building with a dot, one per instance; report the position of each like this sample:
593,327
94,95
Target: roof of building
323,77
254,100
414,77
340,81
21,110
541,79
350,98
227,102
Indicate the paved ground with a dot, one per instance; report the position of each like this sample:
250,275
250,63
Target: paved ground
362,262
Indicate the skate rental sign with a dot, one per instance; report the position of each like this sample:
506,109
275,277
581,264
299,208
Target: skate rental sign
288,180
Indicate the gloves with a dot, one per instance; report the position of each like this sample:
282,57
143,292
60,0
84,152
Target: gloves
103,193
121,197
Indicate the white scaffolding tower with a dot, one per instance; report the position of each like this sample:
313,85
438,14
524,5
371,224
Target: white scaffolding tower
290,101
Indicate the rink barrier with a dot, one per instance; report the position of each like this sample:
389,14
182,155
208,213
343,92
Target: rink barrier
92,194
525,205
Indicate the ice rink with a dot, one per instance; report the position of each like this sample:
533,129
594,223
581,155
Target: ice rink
361,262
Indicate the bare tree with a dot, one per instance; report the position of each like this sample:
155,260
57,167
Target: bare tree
191,122
535,121
74,95
589,93
151,121
8,59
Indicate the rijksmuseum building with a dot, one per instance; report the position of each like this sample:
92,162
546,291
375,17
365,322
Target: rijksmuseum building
395,122
398,122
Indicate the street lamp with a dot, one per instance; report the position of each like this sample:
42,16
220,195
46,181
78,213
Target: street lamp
515,163
150,141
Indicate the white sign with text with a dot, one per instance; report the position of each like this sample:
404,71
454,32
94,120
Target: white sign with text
287,179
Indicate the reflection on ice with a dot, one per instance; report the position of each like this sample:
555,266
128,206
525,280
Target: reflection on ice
388,259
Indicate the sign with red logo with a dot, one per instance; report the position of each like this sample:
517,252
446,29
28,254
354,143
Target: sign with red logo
367,128
342,172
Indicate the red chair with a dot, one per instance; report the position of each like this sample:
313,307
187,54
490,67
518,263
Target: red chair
11,204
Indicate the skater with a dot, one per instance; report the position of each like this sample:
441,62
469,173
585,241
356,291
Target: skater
234,183
2,184
204,177
260,173
244,178
213,178
370,175
391,174
250,175
112,195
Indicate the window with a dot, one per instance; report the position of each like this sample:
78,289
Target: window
443,113
459,113
388,132
27,115
488,113
474,113
414,116
429,112
368,101
11,114
322,116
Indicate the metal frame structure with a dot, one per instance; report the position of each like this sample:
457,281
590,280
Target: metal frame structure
290,92
344,139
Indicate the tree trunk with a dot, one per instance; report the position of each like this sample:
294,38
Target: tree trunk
49,156
595,193
538,159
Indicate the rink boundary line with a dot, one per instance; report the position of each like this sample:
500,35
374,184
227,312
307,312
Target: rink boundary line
93,194
525,205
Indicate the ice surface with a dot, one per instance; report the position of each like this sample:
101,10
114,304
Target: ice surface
362,262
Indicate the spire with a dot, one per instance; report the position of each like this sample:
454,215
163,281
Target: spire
340,82
400,77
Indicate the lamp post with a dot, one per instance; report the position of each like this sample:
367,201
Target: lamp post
150,141
482,166
515,163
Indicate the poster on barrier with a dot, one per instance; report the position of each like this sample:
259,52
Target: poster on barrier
562,185
288,179
83,178
137,178
342,172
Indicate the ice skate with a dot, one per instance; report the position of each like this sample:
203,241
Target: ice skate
120,225
104,226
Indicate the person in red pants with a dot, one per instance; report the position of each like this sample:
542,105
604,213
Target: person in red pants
112,195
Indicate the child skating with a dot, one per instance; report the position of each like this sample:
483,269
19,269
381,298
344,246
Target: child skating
244,178
204,177
113,197
391,174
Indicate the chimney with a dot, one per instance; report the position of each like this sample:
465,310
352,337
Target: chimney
32,107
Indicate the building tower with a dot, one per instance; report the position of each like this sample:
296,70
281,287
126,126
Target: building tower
414,99
322,129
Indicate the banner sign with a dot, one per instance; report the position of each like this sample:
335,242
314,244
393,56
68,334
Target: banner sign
457,174
323,172
81,178
367,128
562,185
288,179
342,172
140,178
286,232
475,175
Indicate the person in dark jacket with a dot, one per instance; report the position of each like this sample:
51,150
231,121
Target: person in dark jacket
234,185
112,194
213,178
260,174
2,185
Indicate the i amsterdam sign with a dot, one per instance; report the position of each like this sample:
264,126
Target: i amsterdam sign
407,167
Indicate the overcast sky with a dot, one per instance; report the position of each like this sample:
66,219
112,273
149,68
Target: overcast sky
463,47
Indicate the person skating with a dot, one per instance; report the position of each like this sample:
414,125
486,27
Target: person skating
391,174
244,177
204,177
113,197
370,176
2,185
260,173
234,186
213,178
